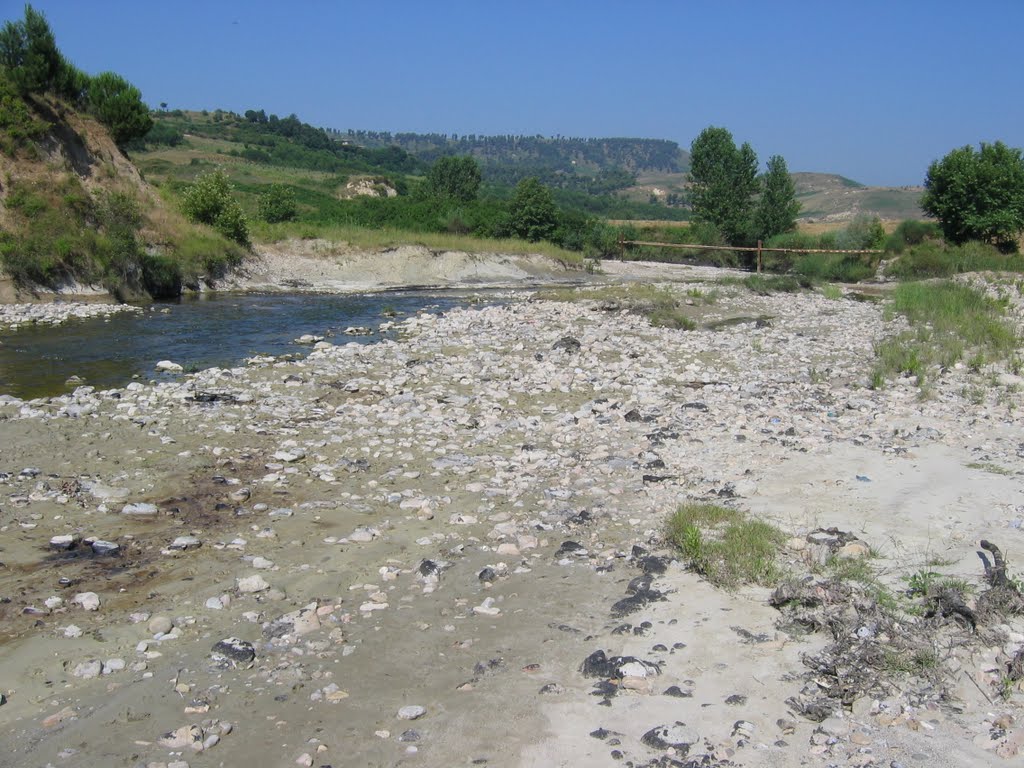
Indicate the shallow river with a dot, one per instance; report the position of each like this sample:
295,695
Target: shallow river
214,330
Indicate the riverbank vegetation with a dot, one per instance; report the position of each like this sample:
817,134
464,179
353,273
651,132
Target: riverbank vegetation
949,322
74,210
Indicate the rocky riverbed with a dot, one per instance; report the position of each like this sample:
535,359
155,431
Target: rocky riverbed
447,549
15,316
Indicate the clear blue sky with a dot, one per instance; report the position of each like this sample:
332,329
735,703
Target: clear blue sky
872,90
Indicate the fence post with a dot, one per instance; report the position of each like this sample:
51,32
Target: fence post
758,257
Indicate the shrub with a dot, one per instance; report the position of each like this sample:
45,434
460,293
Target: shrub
209,201
864,232
277,204
836,267
912,232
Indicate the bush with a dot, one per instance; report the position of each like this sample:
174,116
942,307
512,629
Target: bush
209,201
864,232
912,232
277,204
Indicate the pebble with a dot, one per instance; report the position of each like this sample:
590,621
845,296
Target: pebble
411,712
160,625
523,446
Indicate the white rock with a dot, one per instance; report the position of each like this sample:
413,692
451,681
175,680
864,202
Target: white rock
140,509
251,584
88,669
168,366
160,625
411,712
89,601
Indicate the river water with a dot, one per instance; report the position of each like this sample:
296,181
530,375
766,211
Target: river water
212,330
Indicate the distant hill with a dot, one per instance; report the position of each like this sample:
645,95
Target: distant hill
824,197
829,197
594,165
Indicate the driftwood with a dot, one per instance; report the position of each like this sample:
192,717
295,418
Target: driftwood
1004,596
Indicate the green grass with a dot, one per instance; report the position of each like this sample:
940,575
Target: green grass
836,267
724,546
833,292
936,259
988,466
948,320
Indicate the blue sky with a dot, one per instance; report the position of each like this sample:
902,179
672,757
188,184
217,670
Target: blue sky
872,90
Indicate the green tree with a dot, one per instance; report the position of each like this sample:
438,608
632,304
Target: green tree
28,50
118,105
978,195
777,207
724,180
210,201
277,203
454,178
532,213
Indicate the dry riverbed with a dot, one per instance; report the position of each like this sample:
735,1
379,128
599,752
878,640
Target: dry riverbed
448,549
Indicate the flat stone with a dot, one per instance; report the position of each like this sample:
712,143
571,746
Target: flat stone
411,712
140,509
64,541
88,669
678,736
251,584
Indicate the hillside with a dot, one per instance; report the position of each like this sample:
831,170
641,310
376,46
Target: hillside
76,211
828,197
824,197
591,164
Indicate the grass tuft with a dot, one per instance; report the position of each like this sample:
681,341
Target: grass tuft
724,546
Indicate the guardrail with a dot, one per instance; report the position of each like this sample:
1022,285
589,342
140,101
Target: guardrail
759,249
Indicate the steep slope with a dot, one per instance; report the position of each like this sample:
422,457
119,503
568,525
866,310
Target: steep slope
75,211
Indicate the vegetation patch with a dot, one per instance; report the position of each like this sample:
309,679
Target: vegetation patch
947,320
933,258
724,546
